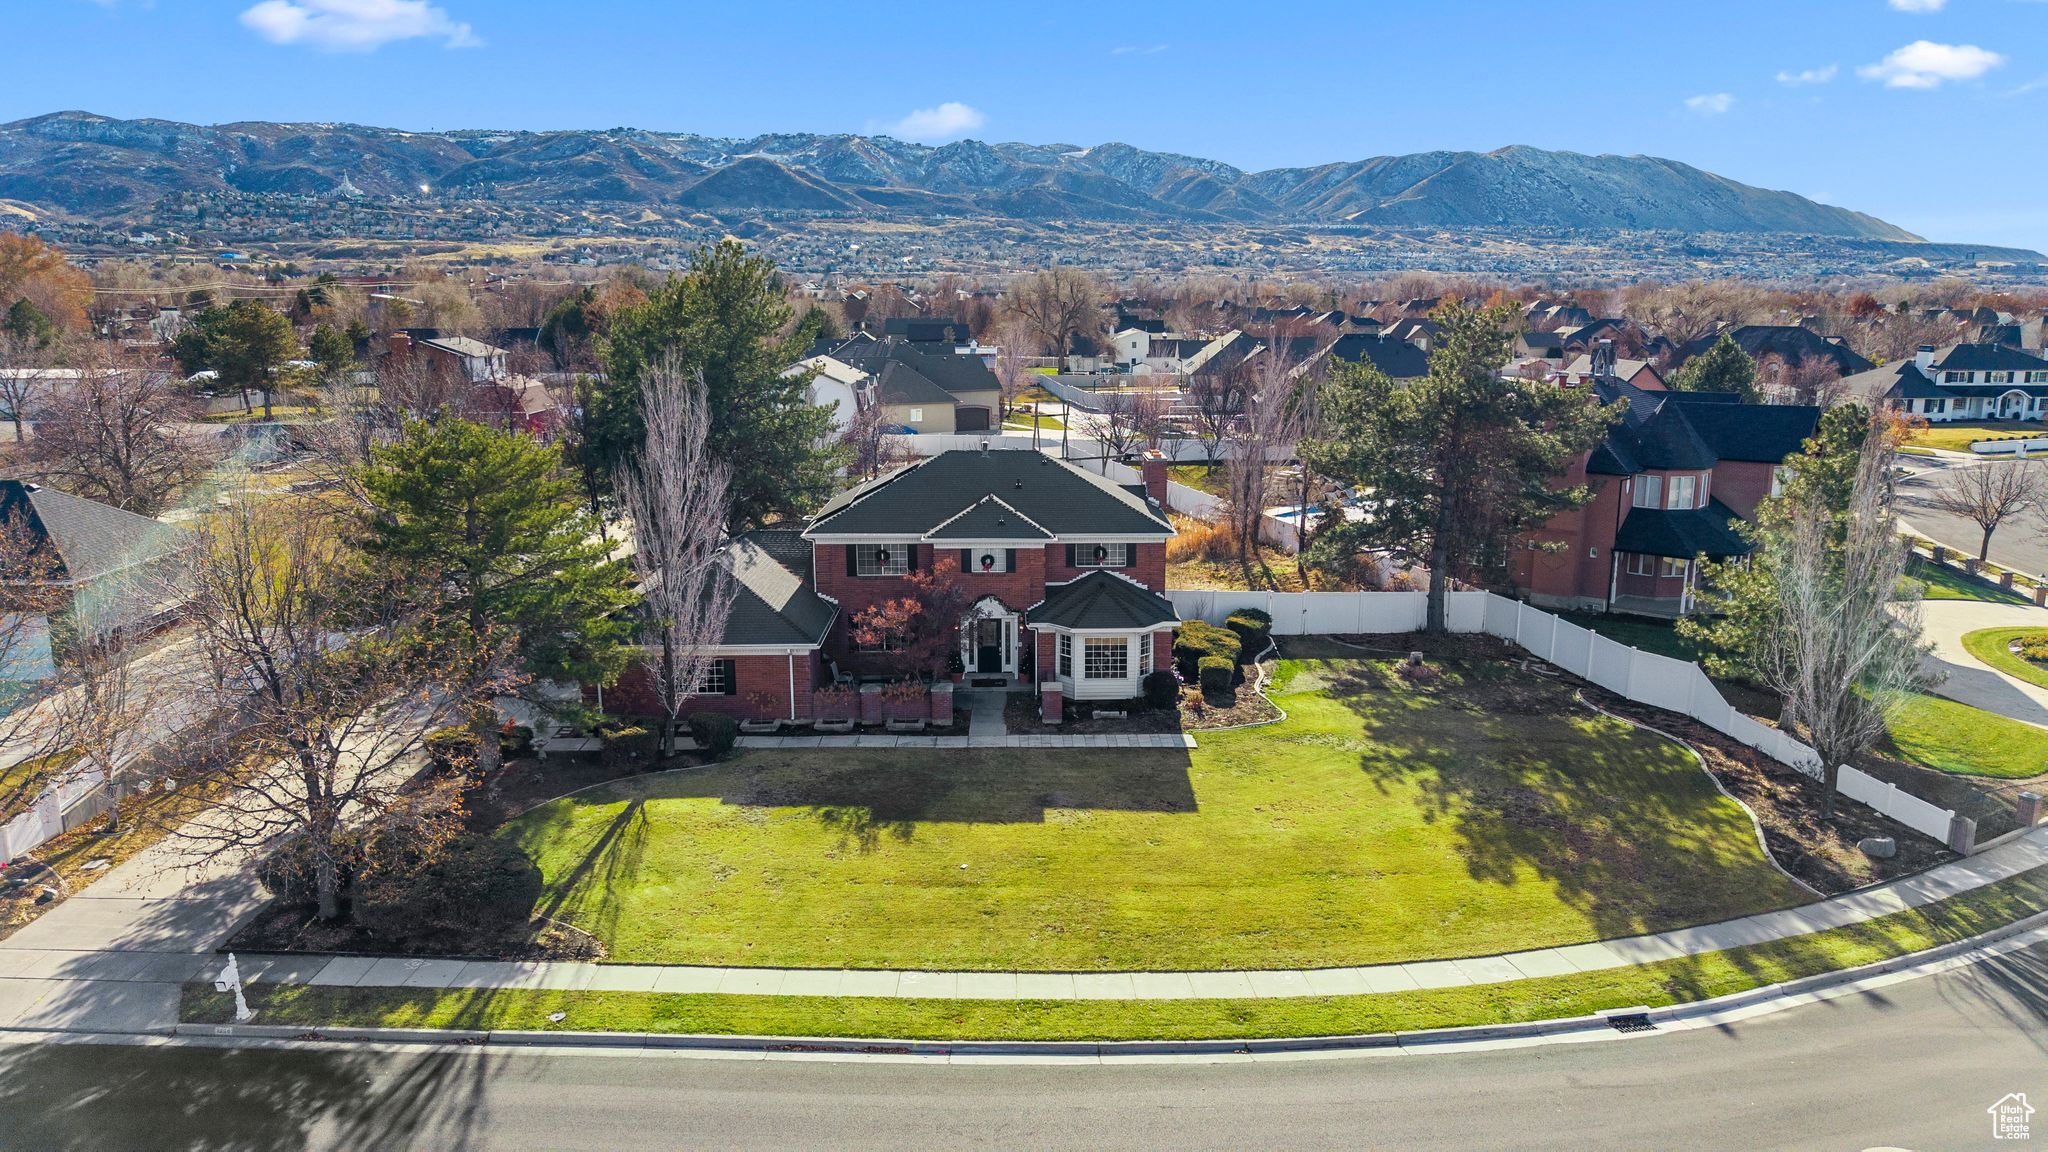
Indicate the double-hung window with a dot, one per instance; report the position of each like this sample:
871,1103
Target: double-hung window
1998,377
1106,658
721,678
1957,377
2037,377
1066,654
1649,492
881,559
1684,492
1116,555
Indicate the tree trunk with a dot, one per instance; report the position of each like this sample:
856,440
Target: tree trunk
672,695
1439,559
112,792
327,886
483,724
1984,549
1831,773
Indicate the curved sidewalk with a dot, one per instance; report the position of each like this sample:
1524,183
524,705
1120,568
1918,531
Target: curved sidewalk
1968,680
2015,856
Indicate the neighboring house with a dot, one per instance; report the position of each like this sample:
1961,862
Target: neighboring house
1602,364
1780,348
927,330
834,384
918,388
1065,567
1675,474
1399,360
471,360
115,571
1960,382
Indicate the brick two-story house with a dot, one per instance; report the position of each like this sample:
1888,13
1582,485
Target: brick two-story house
1675,473
1064,571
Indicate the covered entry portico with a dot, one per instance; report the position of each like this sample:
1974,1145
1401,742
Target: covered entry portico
988,639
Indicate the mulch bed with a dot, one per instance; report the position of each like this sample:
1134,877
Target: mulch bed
280,928
1198,712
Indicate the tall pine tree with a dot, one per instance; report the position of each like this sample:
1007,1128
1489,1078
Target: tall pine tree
729,320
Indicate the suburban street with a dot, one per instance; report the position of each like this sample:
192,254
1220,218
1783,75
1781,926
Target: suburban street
2020,543
1834,1075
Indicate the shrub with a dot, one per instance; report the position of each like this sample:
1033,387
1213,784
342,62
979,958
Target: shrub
2035,648
451,749
1199,638
287,872
714,732
475,885
631,741
1254,627
1162,689
1219,676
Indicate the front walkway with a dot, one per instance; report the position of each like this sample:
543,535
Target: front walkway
1969,680
113,963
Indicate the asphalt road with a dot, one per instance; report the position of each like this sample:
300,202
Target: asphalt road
2021,542
1914,1067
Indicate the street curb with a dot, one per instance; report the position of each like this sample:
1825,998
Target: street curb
1598,1023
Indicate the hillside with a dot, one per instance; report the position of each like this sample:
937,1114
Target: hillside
94,167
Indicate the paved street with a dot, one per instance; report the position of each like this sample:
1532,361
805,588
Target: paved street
2021,543
1914,1066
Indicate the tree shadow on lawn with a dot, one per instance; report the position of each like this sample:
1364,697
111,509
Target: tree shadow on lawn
1623,824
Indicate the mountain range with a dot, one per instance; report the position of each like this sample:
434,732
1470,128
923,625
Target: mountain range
95,167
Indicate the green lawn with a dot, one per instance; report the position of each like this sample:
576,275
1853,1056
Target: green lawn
1958,437
1200,477
1993,647
1942,582
1649,635
1649,985
1936,732
1380,822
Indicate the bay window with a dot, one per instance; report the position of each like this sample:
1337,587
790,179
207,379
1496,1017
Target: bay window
1106,658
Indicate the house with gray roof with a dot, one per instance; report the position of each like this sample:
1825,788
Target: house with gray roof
110,569
1960,382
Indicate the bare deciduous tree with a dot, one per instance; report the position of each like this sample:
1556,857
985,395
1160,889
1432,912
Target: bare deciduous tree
1989,493
333,701
1056,305
122,436
675,495
1842,654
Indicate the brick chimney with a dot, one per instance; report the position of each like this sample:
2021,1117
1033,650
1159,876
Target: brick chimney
1153,468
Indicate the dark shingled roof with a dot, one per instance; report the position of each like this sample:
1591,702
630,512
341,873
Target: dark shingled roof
1398,359
1762,433
1682,533
1789,341
949,370
990,519
1058,497
1694,431
899,383
83,539
774,602
1102,600
1988,358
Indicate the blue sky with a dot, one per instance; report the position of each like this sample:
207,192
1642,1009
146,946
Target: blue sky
1925,112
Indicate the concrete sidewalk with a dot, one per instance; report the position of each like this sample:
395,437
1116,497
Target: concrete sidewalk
116,967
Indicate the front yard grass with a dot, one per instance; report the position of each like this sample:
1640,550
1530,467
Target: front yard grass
1958,437
1939,733
1650,985
1994,647
1941,582
1479,814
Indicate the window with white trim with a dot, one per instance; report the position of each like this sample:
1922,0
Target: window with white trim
1684,492
1105,658
2037,377
917,415
1144,656
1649,492
1116,555
721,678
1641,565
881,559
1957,377
1065,644
1998,377
1671,567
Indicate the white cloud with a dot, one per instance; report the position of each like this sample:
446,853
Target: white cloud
1711,104
944,122
1918,5
1138,49
355,25
1810,76
1925,64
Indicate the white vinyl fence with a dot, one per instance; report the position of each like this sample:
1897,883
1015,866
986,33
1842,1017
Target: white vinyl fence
65,806
1644,677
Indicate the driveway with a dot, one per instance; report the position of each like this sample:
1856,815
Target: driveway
1969,680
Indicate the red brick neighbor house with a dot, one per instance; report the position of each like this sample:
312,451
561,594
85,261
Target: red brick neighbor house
1061,571
1675,474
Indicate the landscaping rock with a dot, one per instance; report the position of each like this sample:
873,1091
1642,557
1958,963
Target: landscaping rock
1878,847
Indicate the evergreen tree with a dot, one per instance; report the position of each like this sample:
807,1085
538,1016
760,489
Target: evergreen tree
246,342
1457,463
725,320
29,325
1724,367
332,351
484,525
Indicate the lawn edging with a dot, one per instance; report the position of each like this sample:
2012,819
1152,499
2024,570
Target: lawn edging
1756,825
1989,944
1992,648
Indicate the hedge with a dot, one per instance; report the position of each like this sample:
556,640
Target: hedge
1198,639
1219,676
714,732
1162,689
1254,628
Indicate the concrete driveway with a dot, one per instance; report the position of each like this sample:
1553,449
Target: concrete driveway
1970,681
